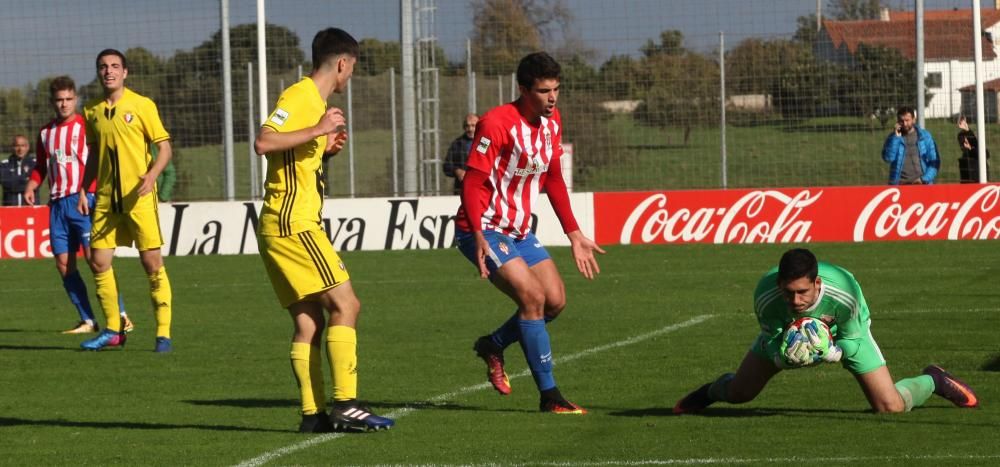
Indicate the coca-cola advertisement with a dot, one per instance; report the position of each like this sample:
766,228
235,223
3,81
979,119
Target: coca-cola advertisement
799,215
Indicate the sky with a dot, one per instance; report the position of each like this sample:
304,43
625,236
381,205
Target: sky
48,37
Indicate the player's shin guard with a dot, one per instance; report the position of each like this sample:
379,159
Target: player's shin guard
306,365
342,346
77,292
915,391
161,296
538,352
719,390
107,295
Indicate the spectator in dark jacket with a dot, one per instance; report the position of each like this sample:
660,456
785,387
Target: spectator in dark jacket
458,152
15,172
968,164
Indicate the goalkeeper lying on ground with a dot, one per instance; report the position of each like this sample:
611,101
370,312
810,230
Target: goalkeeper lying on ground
800,286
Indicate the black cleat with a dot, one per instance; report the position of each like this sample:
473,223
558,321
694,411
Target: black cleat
315,423
353,417
694,402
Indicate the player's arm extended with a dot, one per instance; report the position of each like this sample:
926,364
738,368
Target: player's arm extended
269,140
582,247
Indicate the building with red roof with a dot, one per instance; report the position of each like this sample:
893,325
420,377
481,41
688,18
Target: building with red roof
949,50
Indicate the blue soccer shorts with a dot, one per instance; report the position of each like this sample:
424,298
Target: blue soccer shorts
502,249
68,229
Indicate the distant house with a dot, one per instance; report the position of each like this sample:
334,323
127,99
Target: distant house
949,53
990,90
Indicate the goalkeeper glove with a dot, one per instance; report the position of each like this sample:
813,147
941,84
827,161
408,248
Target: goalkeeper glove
831,354
799,351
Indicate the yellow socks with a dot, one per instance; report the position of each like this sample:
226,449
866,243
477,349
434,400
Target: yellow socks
107,295
306,364
342,345
159,292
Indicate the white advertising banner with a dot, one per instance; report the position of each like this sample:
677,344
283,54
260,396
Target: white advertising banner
229,228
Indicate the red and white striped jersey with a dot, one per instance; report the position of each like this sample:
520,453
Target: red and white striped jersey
518,157
62,155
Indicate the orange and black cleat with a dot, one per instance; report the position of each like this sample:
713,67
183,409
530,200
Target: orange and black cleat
949,387
493,357
561,407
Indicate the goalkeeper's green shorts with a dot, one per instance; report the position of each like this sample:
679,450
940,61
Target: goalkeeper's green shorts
868,358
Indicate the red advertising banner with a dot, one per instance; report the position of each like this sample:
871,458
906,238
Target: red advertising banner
24,232
824,214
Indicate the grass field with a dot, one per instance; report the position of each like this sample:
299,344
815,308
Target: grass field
659,322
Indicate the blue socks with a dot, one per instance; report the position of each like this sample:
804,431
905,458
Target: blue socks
77,292
510,332
537,351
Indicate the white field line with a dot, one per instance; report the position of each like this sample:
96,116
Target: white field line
399,413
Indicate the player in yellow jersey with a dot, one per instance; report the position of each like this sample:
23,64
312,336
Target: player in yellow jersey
121,125
308,277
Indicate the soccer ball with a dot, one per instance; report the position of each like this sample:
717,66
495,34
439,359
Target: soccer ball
811,331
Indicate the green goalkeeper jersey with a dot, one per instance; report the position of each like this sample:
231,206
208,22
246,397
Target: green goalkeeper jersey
840,305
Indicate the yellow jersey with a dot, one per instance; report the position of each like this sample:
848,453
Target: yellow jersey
293,188
120,135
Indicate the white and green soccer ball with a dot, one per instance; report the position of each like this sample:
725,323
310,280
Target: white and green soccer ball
806,341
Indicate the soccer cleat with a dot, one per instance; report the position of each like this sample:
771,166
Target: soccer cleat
315,423
949,387
83,327
694,402
356,418
493,357
127,325
106,338
163,344
561,407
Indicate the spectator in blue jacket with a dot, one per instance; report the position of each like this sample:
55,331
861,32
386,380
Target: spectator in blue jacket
911,152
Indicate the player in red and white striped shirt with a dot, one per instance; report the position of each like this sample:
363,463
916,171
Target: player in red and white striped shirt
515,155
62,154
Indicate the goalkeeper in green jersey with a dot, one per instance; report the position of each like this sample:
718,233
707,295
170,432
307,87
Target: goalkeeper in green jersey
801,286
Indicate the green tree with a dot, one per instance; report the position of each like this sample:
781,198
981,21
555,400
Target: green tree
503,34
16,116
877,78
678,87
805,31
506,30
620,76
376,57
671,43
846,10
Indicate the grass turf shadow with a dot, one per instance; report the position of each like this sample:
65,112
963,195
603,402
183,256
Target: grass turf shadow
12,421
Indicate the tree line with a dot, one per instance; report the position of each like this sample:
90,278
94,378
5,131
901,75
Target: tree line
676,86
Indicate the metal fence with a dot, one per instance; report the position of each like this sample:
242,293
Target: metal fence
648,100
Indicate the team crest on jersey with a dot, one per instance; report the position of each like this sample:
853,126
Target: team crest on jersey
548,141
484,144
279,117
504,249
61,157
128,117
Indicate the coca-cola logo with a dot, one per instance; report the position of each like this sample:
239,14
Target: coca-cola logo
886,216
765,216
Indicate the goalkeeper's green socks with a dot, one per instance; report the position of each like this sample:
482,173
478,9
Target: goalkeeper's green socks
915,391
